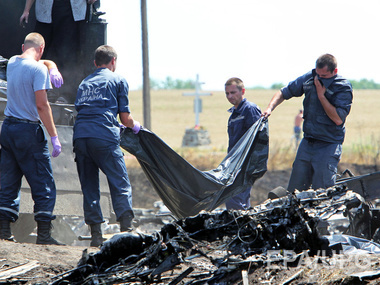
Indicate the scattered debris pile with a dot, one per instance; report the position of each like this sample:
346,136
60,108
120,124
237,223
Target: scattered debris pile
206,248
218,247
341,211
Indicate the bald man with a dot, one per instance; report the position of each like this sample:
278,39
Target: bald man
24,147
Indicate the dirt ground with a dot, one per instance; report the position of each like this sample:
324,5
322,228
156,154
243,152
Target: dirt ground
50,261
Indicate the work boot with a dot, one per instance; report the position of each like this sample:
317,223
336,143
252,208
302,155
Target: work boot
5,230
126,223
44,234
96,235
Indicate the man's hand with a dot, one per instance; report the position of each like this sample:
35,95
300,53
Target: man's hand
136,128
56,77
327,106
56,146
266,113
320,88
276,100
24,19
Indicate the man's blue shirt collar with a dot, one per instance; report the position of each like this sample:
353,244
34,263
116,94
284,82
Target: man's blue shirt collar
232,109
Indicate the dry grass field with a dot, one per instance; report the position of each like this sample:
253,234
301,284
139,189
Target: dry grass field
172,113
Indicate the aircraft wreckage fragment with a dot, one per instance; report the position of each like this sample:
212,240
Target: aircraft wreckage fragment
211,248
223,239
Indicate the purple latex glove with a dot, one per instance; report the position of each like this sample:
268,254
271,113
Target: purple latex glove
136,128
56,77
56,146
122,127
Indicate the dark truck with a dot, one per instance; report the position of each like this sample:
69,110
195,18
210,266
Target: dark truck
68,209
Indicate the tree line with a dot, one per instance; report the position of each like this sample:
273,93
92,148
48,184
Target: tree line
171,83
361,84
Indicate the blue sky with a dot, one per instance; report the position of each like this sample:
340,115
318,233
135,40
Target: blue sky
262,42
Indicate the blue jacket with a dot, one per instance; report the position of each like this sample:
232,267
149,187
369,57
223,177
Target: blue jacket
101,97
317,125
241,120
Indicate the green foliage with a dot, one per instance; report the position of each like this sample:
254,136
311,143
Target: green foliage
277,86
256,88
170,83
361,84
154,84
365,84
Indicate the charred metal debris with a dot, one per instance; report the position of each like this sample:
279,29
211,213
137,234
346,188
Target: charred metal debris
215,248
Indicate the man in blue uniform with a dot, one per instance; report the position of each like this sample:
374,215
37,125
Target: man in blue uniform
327,103
101,97
24,148
243,115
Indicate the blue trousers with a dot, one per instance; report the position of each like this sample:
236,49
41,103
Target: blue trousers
92,154
315,165
240,201
24,152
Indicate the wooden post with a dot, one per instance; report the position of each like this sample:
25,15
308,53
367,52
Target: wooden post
145,60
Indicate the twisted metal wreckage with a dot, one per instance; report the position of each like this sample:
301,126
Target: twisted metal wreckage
212,248
215,247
